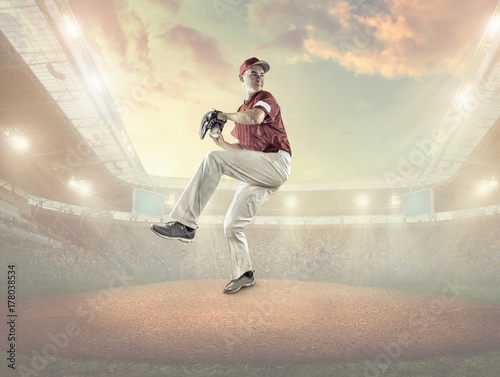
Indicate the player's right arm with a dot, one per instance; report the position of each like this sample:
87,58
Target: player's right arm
251,117
228,146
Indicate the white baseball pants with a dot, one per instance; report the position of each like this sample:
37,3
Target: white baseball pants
261,174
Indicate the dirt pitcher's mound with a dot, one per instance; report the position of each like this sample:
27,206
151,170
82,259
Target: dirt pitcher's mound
275,320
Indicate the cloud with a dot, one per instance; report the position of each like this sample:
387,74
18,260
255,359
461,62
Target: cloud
115,32
391,38
170,5
203,52
146,59
291,40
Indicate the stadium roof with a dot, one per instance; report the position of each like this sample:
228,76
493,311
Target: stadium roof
474,111
47,40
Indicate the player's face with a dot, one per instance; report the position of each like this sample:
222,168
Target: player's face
253,78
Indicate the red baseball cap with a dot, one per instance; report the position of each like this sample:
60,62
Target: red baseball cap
253,61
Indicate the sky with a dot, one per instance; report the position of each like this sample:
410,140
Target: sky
361,84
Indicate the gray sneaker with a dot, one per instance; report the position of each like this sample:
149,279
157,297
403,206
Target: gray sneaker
243,281
174,230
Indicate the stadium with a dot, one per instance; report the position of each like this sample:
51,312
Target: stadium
391,276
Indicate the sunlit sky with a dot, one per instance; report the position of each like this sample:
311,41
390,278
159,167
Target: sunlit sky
360,83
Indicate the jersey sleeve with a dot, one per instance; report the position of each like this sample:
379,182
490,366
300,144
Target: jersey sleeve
234,130
268,104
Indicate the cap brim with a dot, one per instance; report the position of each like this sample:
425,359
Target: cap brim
264,65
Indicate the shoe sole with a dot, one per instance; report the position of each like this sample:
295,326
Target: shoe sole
241,286
169,238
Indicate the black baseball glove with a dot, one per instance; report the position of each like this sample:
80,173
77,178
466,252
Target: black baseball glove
210,121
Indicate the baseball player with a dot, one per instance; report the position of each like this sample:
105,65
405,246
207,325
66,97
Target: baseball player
260,158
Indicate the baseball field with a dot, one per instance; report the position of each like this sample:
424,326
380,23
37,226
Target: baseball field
276,328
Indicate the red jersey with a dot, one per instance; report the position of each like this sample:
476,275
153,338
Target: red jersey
269,136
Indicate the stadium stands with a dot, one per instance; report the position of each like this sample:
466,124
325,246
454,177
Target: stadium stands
86,251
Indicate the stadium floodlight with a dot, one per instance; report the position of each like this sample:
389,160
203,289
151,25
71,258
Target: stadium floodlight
395,200
486,186
465,97
80,186
493,28
170,200
20,143
96,84
362,201
71,27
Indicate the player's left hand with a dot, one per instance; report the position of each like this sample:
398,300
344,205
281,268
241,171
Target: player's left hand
209,121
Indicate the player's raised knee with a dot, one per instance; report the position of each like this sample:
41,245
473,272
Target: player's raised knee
213,155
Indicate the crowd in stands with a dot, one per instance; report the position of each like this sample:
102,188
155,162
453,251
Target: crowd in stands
365,255
378,255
